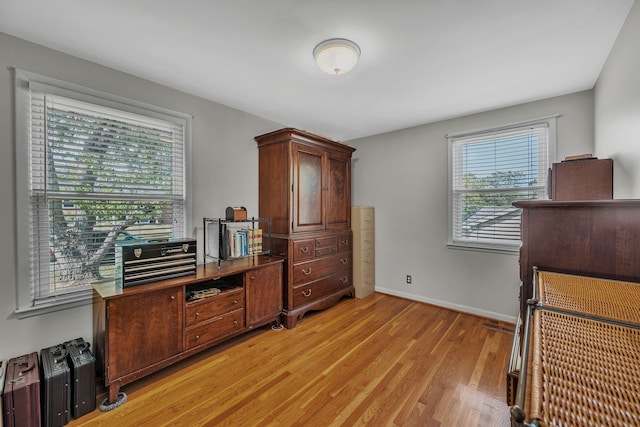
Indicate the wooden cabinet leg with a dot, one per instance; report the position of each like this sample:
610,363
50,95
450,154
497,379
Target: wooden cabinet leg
114,389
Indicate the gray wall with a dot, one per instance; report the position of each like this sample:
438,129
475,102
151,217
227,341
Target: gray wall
404,176
224,173
617,109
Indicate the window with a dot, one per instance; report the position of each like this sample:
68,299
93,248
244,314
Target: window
93,170
491,169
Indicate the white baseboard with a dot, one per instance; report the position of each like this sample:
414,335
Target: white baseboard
449,305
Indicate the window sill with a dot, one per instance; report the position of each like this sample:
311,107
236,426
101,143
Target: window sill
496,249
77,299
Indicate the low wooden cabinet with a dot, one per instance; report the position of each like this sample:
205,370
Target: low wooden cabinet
142,329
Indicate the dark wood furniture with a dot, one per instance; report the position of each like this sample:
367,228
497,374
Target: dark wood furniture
599,238
596,238
582,180
142,329
305,188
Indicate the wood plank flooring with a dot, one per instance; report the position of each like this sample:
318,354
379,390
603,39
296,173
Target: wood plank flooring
379,361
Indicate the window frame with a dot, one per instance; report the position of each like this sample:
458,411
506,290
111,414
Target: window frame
453,243
26,303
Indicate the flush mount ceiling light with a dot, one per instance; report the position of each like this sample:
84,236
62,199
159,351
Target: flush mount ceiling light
336,56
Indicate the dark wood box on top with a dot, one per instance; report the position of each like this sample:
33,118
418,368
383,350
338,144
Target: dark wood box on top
582,180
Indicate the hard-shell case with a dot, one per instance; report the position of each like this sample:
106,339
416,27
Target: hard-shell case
21,398
83,377
3,371
56,390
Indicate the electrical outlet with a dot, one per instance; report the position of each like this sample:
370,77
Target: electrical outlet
408,279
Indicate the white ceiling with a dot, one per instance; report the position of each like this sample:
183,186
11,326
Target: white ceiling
422,60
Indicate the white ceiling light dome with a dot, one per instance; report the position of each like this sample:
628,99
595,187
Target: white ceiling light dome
336,56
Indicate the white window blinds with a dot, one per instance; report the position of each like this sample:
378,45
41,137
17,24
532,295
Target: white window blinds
489,171
99,173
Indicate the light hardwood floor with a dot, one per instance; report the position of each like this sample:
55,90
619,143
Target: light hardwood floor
379,361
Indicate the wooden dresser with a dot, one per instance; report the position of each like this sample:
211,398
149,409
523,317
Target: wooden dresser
599,238
305,188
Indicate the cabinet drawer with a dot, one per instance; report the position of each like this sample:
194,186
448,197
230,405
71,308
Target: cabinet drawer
310,292
329,250
314,270
324,242
216,328
303,250
200,311
344,242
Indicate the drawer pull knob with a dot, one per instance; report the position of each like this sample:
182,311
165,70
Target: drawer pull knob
343,279
305,294
305,250
306,272
235,323
235,301
197,337
343,261
253,277
173,297
345,242
197,314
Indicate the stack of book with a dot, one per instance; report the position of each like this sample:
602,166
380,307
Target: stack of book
240,242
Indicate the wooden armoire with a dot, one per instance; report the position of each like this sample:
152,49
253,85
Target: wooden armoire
305,188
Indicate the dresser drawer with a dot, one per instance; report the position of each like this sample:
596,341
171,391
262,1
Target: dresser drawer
310,292
329,250
215,328
326,242
208,308
317,269
345,241
303,250
327,245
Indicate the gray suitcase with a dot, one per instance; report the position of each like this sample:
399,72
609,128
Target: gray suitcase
56,386
83,377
